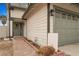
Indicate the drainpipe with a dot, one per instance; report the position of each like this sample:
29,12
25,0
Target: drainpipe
48,20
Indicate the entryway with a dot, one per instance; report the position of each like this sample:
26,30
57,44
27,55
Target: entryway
22,48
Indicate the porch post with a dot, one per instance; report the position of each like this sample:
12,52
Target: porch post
48,20
8,18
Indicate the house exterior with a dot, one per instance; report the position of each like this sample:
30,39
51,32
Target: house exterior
43,19
17,25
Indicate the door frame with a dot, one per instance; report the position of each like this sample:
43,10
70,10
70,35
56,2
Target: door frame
13,28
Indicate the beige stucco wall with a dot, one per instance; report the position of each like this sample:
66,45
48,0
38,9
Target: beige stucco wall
37,25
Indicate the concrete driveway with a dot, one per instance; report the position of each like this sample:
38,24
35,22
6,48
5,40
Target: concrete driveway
71,49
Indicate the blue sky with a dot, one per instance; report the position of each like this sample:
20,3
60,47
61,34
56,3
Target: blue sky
3,10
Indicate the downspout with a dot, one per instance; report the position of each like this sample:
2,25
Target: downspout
48,20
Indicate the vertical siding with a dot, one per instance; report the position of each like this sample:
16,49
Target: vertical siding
37,26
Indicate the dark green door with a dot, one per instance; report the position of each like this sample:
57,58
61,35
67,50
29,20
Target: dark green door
17,29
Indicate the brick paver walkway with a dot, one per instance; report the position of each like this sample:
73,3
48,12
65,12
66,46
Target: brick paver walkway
21,48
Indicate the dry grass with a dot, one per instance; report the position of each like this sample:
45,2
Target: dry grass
46,51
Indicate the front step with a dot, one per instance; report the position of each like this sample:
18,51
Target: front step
21,37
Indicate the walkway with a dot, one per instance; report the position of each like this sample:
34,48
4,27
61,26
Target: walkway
21,48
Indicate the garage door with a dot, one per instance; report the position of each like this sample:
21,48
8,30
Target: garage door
67,27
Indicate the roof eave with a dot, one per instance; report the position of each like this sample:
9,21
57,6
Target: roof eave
27,10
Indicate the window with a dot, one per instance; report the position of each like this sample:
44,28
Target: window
73,18
76,18
63,15
57,15
69,17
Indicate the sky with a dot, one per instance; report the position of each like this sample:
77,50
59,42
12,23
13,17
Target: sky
3,10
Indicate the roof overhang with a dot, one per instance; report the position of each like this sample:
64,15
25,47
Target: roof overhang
32,9
27,10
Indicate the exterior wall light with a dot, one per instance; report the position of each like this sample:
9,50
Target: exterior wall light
52,12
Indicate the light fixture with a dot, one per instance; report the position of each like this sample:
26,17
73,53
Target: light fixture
52,12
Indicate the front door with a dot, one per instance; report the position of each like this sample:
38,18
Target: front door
18,29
